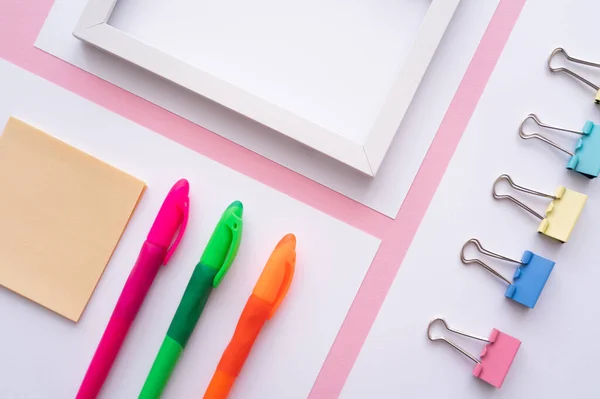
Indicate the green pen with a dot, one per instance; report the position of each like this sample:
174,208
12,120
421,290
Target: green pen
208,273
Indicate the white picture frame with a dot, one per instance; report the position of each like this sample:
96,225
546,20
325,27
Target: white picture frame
367,157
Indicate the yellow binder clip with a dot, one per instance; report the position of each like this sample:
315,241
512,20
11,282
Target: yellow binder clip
573,74
561,214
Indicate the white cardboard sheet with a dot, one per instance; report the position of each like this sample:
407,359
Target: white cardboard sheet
332,62
387,191
46,356
557,358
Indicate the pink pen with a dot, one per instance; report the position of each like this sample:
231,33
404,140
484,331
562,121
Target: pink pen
173,215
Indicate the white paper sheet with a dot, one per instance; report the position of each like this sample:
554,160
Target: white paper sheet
557,358
49,355
385,193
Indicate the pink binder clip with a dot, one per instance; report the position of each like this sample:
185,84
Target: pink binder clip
496,357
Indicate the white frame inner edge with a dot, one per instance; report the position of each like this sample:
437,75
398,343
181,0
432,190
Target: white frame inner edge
93,28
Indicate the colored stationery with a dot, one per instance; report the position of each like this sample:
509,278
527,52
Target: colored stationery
496,356
162,241
62,214
271,288
561,214
585,158
208,273
529,277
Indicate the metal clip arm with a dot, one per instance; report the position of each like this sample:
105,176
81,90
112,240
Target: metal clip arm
481,263
538,136
452,344
569,72
521,189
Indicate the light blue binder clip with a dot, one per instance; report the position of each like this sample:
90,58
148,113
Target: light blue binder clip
585,159
529,278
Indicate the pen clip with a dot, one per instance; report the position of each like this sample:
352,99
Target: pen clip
184,208
285,286
234,223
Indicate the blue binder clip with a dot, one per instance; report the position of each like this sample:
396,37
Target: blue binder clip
529,278
585,159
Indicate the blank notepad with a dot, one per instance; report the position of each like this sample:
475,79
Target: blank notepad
62,213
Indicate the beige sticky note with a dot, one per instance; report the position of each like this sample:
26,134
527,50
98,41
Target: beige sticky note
62,213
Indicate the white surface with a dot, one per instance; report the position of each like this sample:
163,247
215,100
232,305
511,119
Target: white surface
557,358
221,28
49,355
385,193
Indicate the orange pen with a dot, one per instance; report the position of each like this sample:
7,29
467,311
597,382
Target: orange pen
266,297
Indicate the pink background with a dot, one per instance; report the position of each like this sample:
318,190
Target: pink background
20,23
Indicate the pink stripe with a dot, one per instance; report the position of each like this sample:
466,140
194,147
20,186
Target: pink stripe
21,20
396,242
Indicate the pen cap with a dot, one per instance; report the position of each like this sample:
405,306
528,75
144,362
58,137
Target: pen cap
173,216
276,277
232,221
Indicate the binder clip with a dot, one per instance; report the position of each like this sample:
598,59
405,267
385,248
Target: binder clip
585,159
529,278
561,214
573,74
496,357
